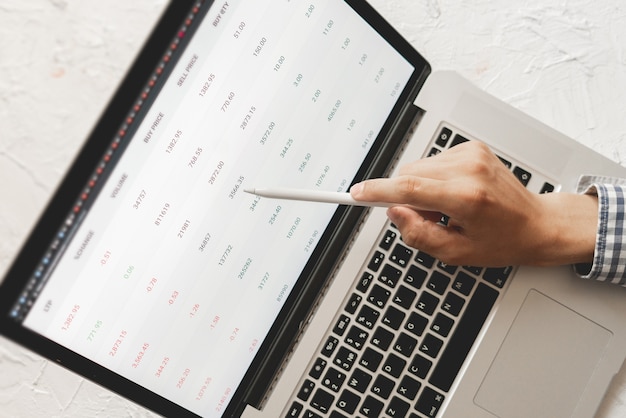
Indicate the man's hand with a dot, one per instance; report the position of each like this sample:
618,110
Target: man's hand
493,219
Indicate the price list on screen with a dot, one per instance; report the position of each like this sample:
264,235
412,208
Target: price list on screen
175,275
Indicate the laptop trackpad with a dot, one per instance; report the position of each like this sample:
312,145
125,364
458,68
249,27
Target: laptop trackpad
544,363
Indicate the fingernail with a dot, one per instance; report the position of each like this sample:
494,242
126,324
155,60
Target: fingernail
356,189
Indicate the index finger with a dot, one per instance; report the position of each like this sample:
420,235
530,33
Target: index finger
420,193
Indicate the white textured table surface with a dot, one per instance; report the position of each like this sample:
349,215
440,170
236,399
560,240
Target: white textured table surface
563,62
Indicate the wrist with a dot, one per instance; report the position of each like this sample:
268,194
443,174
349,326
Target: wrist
568,226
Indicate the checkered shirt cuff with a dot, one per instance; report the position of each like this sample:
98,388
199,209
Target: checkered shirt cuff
609,262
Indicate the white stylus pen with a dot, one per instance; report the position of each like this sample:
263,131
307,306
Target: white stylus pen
312,196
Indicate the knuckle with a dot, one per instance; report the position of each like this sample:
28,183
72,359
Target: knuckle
480,156
475,147
407,186
478,198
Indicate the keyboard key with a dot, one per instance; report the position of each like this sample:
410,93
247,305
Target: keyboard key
322,400
330,346
306,389
401,255
522,175
394,365
345,358
356,337
442,325
506,162
458,139
408,387
333,379
462,339
390,275
335,414
294,410
424,259
415,276
318,368
370,359
404,297
420,366
388,240
453,304
427,303
360,380
498,276
405,344
310,414
397,408
463,283
546,188
348,401
416,323
431,345
376,261
371,407
450,269
474,270
438,282
353,303
382,338
433,151
364,283
443,137
378,296
341,325
429,402
367,316
382,386
393,317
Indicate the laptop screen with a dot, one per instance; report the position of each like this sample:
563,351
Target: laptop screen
166,272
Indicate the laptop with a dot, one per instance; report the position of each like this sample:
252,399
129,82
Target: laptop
154,275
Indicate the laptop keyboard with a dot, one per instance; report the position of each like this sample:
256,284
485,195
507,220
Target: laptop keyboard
405,331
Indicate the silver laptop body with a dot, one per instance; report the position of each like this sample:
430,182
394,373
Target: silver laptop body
553,341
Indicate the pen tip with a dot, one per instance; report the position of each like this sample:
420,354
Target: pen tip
251,191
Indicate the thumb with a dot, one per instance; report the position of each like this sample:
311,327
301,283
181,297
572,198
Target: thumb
420,230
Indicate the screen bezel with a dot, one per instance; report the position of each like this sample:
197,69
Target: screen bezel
310,283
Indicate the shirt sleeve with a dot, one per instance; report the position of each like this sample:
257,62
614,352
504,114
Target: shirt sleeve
609,261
